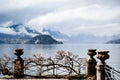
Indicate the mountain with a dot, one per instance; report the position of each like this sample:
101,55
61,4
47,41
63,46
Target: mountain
22,30
43,39
116,41
55,34
80,38
17,33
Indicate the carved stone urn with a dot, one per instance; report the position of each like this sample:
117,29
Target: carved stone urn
91,53
103,55
18,52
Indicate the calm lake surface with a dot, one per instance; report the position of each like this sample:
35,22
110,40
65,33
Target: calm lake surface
50,50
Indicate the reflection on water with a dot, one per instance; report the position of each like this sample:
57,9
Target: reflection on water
50,50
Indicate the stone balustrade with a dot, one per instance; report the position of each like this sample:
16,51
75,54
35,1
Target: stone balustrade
96,71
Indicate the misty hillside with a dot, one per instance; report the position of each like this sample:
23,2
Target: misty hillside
43,39
116,41
19,33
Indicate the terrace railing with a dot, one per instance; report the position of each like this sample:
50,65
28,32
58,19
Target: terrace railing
112,73
63,65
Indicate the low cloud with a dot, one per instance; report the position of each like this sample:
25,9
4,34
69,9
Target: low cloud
7,31
6,24
70,21
95,17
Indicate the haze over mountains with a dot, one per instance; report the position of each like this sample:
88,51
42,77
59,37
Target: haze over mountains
19,33
74,21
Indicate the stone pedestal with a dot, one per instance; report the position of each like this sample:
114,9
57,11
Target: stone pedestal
18,64
91,63
102,55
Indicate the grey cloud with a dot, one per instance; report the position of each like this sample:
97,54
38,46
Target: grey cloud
26,13
34,10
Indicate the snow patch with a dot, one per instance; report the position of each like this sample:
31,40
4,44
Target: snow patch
36,41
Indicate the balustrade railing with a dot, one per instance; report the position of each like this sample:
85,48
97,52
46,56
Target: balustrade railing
65,64
112,73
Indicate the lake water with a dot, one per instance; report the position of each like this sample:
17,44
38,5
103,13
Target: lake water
50,50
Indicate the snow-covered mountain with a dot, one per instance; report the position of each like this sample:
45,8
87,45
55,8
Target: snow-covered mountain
20,29
56,35
17,33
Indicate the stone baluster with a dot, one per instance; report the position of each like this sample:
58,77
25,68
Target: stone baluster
102,55
18,64
91,64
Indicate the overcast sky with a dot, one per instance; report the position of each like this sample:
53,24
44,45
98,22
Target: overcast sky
71,17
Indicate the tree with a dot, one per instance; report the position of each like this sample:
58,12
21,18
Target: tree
5,65
65,63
